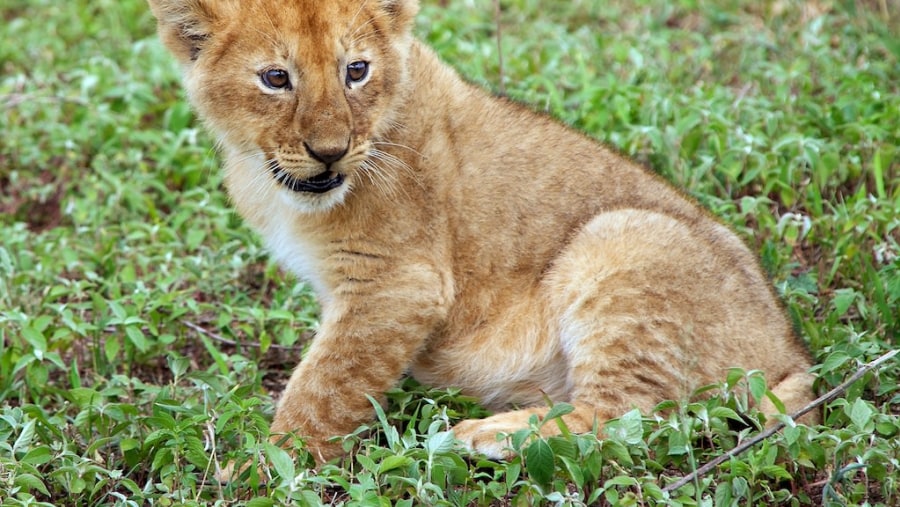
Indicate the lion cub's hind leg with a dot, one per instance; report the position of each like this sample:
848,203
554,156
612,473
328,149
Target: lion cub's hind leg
649,308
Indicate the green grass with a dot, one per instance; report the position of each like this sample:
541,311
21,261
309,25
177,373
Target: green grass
143,330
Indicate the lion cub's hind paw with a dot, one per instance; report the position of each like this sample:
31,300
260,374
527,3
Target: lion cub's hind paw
229,473
487,437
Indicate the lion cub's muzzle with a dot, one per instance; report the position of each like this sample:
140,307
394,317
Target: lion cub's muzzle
319,183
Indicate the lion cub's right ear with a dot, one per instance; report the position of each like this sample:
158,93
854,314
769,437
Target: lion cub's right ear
185,25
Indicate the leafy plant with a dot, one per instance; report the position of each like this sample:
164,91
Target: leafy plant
144,332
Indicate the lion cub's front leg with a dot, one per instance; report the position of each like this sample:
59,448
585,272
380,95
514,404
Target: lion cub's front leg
366,341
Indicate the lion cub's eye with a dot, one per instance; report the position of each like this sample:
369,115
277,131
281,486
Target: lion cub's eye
356,72
276,79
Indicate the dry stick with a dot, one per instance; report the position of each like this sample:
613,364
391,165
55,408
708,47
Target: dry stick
222,339
502,89
825,398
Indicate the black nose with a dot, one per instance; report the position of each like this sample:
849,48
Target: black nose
326,156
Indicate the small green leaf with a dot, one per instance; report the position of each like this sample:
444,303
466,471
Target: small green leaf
77,485
393,462
776,472
37,456
280,460
25,437
617,451
860,414
84,397
136,336
195,454
843,298
36,339
539,461
834,361
678,444
628,428
724,413
757,387
367,462
438,443
562,447
111,348
178,365
779,405
30,482
734,376
557,410
162,457
576,473
621,480
128,444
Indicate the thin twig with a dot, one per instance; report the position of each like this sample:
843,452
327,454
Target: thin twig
222,339
825,398
502,87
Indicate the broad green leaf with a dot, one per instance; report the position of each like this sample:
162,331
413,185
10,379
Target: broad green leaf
834,361
367,462
30,482
162,457
678,444
621,480
843,298
757,387
178,365
539,461
438,443
628,428
860,414
776,471
37,341
25,436
127,444
724,413
195,454
393,462
136,336
37,456
562,447
84,397
617,451
734,377
111,348
576,474
280,460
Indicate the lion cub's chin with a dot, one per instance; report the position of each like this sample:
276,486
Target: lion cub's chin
308,202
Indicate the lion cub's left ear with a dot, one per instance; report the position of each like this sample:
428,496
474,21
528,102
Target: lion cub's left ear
402,12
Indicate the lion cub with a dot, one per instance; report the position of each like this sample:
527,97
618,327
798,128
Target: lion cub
459,237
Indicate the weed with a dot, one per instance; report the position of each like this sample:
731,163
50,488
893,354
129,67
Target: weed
143,331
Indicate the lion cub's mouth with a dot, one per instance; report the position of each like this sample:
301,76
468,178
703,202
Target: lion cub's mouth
318,184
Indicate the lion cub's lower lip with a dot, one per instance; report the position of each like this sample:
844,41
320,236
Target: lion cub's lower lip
318,184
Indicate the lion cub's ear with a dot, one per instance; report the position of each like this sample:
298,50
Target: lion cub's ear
185,25
402,11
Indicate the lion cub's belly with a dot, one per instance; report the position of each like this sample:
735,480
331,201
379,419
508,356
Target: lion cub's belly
500,375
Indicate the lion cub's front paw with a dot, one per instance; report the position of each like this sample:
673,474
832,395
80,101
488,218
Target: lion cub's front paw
486,436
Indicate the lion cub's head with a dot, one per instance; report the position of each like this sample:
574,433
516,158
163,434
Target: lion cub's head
296,90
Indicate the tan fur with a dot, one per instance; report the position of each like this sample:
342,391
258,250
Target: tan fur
472,242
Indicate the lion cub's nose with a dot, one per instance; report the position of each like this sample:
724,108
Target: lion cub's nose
326,155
